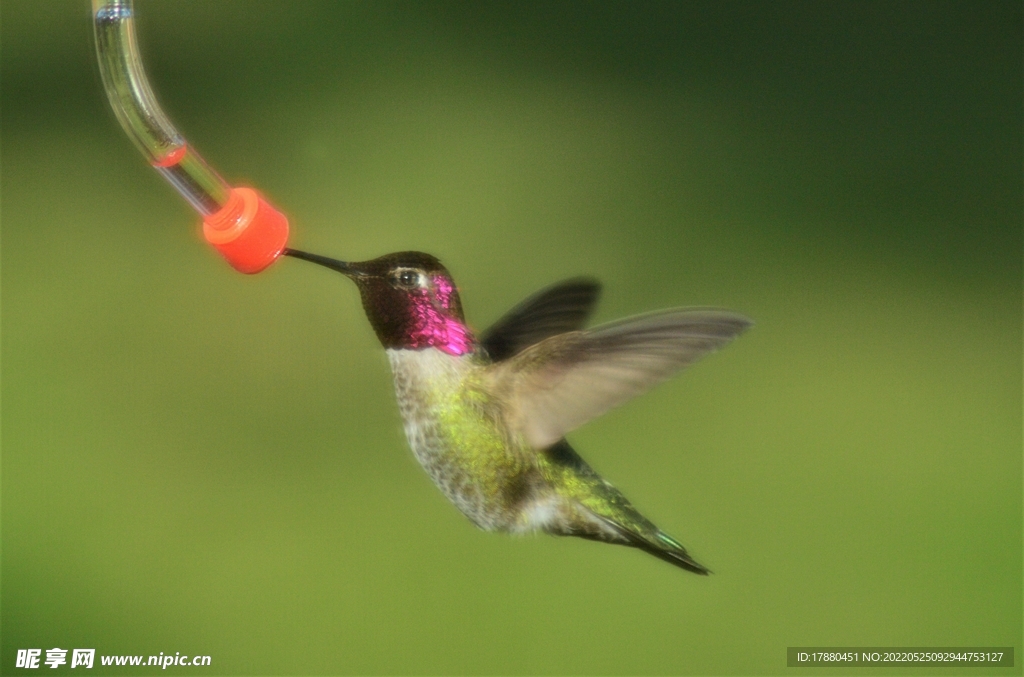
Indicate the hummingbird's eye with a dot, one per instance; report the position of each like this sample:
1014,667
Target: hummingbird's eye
407,278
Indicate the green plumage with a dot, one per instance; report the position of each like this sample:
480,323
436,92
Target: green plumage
461,434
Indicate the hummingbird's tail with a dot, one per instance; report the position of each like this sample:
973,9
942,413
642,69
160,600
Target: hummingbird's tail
655,542
602,513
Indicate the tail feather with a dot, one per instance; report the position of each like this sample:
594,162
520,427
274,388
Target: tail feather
661,545
600,512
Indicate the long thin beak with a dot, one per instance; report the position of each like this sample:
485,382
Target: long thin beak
342,267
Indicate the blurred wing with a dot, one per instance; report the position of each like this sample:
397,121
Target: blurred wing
561,308
564,381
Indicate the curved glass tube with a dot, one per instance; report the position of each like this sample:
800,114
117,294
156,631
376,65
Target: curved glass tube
140,115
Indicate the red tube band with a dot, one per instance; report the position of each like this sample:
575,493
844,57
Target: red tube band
172,158
247,231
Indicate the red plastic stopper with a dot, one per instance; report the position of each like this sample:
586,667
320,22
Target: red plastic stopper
247,231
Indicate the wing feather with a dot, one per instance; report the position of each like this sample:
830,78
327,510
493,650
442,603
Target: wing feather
564,381
560,308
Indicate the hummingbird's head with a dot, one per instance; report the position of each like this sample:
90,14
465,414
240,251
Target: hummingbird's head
409,298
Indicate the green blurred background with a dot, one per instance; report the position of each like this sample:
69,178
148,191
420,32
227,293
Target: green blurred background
202,462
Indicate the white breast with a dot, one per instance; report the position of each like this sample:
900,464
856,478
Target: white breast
425,381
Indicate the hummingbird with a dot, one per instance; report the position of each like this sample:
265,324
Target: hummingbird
486,416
